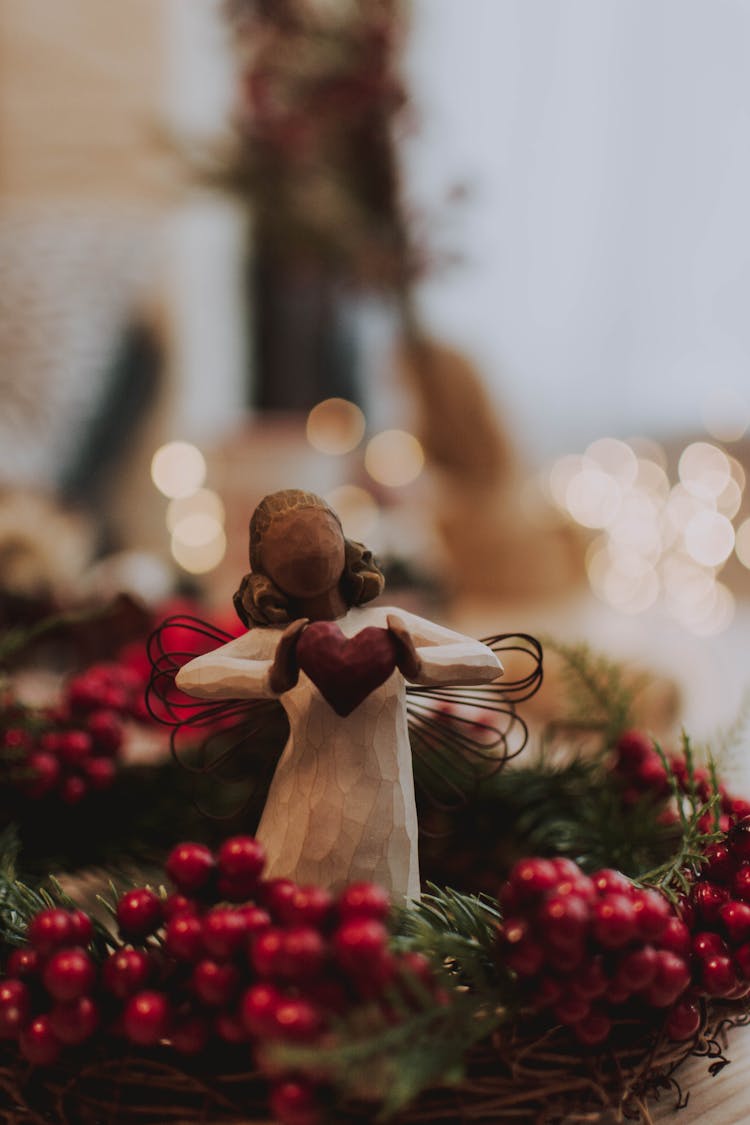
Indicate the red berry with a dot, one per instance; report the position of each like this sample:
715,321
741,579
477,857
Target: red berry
718,976
75,1021
74,747
637,968
651,776
738,840
190,1035
50,930
190,867
521,952
531,878
593,1029
708,898
741,882
720,865
242,859
359,944
739,808
176,904
256,919
44,769
564,921
224,932
608,881
294,1102
146,1018
38,1042
684,1020
73,789
676,937
139,913
652,912
16,739
215,983
566,960
590,980
670,980
83,929
633,746
106,730
707,942
297,1020
23,963
68,974
613,920
570,1009
547,993
735,918
303,954
312,906
125,972
267,952
363,900
276,894
14,1007
258,1008
100,773
183,938
230,1028
742,959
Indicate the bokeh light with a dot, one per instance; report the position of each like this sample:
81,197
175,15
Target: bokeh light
204,502
178,469
704,470
199,558
742,543
394,458
335,426
709,538
357,509
657,543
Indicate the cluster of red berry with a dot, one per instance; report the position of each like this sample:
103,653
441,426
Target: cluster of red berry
226,958
642,773
594,949
71,750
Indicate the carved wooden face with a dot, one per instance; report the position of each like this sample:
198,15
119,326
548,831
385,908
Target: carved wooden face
303,552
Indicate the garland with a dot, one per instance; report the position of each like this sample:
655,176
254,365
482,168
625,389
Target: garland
613,945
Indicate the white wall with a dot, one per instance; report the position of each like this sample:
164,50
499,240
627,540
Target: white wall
606,144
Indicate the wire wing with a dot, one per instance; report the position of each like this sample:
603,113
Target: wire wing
462,735
207,739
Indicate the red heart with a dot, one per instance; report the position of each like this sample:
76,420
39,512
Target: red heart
345,670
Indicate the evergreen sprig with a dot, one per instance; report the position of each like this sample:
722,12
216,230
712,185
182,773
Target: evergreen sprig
599,695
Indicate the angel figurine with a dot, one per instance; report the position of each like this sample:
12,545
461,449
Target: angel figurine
341,804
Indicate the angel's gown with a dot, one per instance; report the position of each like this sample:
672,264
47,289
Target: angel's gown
341,804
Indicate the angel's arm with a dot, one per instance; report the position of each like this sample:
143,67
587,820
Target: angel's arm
446,657
238,670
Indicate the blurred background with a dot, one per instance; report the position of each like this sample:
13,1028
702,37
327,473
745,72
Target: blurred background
476,273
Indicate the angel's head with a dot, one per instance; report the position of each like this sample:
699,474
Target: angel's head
298,551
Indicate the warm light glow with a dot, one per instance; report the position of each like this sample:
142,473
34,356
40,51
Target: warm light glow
726,414
593,497
729,501
742,543
652,480
614,458
335,426
357,509
197,530
647,450
709,538
394,458
704,470
178,469
200,558
204,502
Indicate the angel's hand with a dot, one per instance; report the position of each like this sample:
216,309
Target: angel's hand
284,672
408,661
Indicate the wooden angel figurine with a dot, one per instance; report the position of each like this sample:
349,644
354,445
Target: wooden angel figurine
341,804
